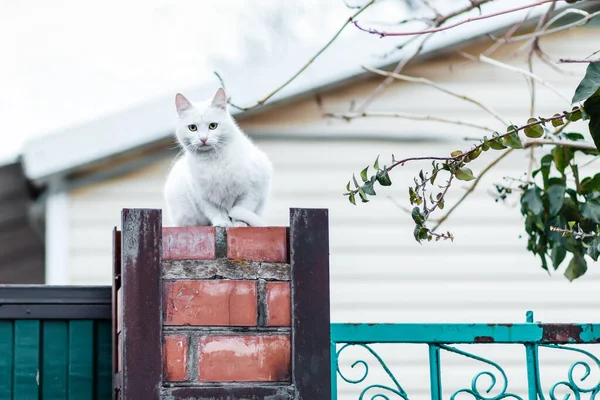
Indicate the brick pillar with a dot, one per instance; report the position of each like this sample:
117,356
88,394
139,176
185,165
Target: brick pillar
241,313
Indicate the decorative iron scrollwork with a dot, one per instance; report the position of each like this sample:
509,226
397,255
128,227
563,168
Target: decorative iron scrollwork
474,390
570,383
397,389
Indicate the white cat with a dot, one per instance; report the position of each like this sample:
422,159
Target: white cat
222,179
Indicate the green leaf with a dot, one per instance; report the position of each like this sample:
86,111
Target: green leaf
556,198
355,182
591,210
576,268
575,115
363,174
376,165
432,180
464,174
455,153
416,216
420,233
352,199
589,84
589,185
558,255
534,131
363,196
486,144
348,186
383,178
513,141
557,122
368,189
532,201
574,136
592,108
561,156
474,154
594,249
496,144
546,163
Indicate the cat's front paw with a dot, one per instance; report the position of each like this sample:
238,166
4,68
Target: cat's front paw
226,223
239,224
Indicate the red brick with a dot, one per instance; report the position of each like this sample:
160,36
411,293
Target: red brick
279,305
214,302
257,244
175,358
244,358
189,243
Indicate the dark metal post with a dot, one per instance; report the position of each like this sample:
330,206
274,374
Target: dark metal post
141,247
309,259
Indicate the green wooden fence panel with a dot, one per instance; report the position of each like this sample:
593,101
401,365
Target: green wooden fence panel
54,360
6,359
26,359
81,360
103,359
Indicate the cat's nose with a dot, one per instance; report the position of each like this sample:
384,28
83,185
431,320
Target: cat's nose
203,140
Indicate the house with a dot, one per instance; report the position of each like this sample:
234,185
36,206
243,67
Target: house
379,273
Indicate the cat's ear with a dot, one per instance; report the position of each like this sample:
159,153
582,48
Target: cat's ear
220,99
182,104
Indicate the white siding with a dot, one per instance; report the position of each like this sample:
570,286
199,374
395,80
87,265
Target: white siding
379,273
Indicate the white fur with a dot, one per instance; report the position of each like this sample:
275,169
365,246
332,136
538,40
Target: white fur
226,181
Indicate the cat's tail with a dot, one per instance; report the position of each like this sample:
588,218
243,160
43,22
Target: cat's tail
245,215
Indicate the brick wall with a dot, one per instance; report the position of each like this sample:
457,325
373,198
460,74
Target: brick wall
207,313
226,305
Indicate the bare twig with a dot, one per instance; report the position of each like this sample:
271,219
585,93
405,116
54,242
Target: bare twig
444,28
471,189
564,143
312,59
428,82
570,60
437,22
416,117
528,74
575,24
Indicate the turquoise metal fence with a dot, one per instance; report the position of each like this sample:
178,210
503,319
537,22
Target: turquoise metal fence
443,338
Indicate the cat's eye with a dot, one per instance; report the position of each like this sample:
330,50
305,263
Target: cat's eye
212,126
192,128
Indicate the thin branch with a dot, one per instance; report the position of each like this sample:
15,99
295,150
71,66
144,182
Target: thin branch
399,67
312,59
575,24
528,74
416,117
564,143
471,188
428,82
461,156
437,22
444,28
570,60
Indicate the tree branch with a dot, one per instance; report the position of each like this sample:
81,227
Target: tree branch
312,59
570,60
428,82
528,74
444,28
416,117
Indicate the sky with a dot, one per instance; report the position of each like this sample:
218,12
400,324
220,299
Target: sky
71,61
